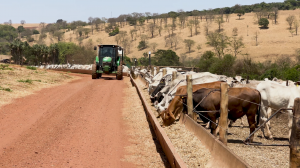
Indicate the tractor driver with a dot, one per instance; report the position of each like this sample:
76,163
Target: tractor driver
107,53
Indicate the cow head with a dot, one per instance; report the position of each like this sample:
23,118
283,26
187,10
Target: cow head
297,83
167,118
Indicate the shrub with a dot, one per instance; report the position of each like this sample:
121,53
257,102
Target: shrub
31,67
5,67
25,81
165,58
142,45
223,66
207,59
114,32
263,22
35,32
5,89
29,39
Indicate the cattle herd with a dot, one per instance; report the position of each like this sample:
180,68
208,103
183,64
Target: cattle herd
253,98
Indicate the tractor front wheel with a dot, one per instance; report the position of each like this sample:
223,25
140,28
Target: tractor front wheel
119,74
94,71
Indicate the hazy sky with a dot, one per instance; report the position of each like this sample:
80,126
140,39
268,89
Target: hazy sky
36,11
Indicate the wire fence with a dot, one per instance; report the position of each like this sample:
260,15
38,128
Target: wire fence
200,112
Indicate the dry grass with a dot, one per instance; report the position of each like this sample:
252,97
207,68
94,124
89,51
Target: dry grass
188,146
273,42
33,80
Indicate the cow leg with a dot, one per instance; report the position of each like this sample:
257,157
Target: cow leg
268,124
242,123
230,123
213,127
207,125
290,116
262,119
252,124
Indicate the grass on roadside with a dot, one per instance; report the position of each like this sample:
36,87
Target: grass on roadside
31,67
5,89
28,81
5,67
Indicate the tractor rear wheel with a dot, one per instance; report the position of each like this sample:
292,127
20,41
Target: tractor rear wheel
94,71
119,74
99,75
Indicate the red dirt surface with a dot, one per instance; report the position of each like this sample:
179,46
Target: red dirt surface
78,124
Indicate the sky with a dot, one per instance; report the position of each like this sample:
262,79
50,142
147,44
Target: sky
36,11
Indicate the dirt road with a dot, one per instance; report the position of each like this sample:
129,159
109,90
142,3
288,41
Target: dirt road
74,125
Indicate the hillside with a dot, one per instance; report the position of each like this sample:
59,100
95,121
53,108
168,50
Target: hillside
273,42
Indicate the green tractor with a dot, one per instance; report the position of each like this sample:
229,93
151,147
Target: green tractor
108,61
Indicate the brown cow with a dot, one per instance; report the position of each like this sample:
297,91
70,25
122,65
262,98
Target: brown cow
241,101
169,115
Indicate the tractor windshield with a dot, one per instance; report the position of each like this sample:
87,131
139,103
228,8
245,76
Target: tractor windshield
107,52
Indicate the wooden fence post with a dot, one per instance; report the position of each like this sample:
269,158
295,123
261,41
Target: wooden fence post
295,136
189,89
157,70
152,70
224,113
174,75
164,72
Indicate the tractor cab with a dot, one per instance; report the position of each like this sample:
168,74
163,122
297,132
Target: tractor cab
109,61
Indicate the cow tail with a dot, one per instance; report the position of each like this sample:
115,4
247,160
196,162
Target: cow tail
258,109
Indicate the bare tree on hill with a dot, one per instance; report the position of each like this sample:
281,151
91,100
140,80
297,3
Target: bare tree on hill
91,22
290,19
23,22
151,28
189,44
147,14
190,25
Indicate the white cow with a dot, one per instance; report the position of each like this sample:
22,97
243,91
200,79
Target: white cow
273,97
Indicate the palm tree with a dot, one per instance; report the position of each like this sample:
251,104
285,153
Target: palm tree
17,47
53,52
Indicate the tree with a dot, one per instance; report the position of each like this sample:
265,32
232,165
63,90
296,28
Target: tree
218,41
132,32
166,58
235,31
263,22
220,21
20,30
91,22
290,19
296,26
227,17
117,39
237,44
153,46
159,30
59,35
42,24
23,22
151,28
189,44
190,25
239,11
275,14
198,47
255,37
206,27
